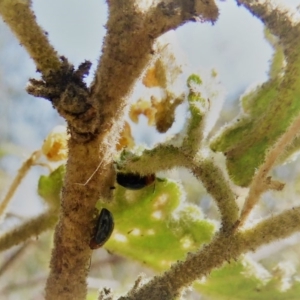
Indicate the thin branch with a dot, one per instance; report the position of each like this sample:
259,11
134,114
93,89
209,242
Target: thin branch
218,187
16,182
152,161
260,182
21,20
14,257
31,228
168,15
223,248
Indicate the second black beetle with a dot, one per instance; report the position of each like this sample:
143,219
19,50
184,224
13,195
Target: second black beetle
133,181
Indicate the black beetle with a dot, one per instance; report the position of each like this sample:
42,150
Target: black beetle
103,229
133,181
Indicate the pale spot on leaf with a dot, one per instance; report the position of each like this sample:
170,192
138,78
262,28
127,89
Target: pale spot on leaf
157,214
135,231
120,238
150,232
161,201
186,242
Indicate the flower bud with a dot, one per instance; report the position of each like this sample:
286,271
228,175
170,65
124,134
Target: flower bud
55,145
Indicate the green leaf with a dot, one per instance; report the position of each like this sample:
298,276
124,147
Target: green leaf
92,295
267,113
2,152
193,79
278,60
245,280
49,187
152,227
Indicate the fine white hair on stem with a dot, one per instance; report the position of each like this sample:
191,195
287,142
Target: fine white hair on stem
90,178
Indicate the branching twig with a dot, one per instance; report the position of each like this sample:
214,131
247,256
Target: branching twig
126,51
152,161
123,62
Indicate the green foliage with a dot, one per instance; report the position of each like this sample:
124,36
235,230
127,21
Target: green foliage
49,187
193,79
92,295
246,280
267,113
277,65
2,152
152,227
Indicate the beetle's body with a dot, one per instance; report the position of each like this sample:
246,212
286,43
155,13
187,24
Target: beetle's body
103,229
133,181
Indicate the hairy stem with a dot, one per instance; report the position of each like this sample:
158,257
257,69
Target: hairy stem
71,254
152,161
16,182
218,187
259,183
21,20
28,229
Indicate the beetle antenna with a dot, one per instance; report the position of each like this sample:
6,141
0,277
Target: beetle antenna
154,186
